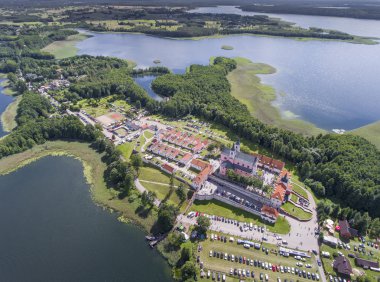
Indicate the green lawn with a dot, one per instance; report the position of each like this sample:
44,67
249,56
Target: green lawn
299,190
161,186
294,198
140,141
296,211
148,134
126,149
218,208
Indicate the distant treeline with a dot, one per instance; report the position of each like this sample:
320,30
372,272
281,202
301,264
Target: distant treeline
356,10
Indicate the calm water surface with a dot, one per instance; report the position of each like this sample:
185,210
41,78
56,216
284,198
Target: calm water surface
329,83
52,230
353,26
5,100
145,82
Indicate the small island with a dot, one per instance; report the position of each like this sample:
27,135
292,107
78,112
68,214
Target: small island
227,47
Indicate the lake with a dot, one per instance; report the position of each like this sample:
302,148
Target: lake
5,100
53,231
329,83
360,27
146,82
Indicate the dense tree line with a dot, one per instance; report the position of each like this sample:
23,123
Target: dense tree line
32,107
356,10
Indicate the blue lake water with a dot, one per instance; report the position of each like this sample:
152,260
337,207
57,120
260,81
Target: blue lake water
329,83
53,231
145,82
353,26
5,100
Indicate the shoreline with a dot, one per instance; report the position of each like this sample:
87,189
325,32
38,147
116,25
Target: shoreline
93,169
65,48
8,117
247,87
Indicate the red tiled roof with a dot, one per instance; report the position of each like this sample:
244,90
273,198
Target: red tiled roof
186,157
279,192
202,176
199,163
168,168
269,211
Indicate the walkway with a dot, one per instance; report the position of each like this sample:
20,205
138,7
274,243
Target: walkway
142,189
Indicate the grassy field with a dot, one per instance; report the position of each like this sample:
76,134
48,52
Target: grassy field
126,149
102,106
218,208
157,181
247,88
294,198
299,190
8,116
296,211
93,170
65,48
224,266
371,132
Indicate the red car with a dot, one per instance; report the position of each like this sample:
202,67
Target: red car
243,259
273,268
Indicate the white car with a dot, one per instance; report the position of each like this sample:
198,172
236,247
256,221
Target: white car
210,253
246,246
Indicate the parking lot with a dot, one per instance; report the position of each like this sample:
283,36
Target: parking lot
235,260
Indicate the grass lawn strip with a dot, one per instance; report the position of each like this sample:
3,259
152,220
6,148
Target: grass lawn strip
299,190
126,149
296,211
218,208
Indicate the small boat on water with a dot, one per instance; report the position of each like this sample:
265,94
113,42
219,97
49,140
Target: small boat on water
339,131
150,238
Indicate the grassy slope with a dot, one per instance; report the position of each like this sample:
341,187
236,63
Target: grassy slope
371,132
65,48
126,149
93,170
162,190
221,209
8,116
246,86
296,211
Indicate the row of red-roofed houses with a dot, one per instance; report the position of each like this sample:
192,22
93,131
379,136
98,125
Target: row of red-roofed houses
184,140
164,150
